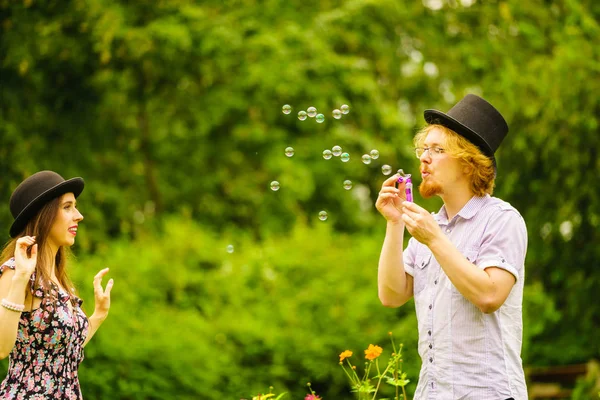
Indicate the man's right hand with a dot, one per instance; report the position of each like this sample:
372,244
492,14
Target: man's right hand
389,201
25,264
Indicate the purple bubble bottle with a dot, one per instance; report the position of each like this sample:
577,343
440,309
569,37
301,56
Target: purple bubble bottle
408,187
408,190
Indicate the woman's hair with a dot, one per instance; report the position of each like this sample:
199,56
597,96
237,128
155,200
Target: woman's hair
482,173
40,226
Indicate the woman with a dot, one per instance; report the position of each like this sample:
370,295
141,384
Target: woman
42,327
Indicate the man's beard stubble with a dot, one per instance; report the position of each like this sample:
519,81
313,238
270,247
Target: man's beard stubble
429,189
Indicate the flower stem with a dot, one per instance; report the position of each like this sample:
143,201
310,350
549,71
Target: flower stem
356,379
350,376
380,378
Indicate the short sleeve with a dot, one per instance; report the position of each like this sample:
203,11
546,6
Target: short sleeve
409,256
9,264
504,243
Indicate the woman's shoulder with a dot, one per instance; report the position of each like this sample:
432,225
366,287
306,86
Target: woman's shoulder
10,264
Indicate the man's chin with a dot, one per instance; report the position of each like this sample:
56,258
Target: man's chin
427,190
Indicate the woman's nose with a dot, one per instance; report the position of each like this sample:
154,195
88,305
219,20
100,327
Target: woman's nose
78,216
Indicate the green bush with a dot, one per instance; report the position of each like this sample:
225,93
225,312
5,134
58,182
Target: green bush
189,320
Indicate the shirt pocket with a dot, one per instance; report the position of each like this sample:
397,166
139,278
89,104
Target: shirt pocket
422,262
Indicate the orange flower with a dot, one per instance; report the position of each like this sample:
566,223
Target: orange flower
373,352
345,354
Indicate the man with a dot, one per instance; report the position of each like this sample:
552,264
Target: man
464,265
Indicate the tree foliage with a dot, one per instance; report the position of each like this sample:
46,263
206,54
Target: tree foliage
172,109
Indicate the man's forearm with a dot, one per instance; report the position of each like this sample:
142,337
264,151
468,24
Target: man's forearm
391,276
473,283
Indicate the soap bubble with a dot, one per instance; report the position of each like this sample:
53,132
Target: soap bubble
289,151
345,157
274,186
337,114
345,109
386,169
320,118
347,184
336,150
323,215
402,174
286,109
366,159
301,115
311,111
374,154
230,248
327,154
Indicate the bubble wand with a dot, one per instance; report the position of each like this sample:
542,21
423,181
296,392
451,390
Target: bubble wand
408,186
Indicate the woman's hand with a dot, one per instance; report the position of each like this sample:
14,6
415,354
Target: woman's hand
389,201
25,263
102,304
102,296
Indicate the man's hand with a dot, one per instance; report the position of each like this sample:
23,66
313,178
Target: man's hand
389,201
419,223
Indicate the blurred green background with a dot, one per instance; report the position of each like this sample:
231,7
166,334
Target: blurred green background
171,112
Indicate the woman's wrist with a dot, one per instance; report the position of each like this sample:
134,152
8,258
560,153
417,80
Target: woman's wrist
20,279
99,316
9,305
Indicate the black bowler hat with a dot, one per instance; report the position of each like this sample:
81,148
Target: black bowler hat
476,120
34,192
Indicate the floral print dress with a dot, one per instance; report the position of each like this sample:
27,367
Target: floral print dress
48,350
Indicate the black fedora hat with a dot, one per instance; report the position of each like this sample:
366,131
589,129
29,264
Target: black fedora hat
34,192
476,120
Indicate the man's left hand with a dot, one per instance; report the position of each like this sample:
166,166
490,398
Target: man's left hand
420,223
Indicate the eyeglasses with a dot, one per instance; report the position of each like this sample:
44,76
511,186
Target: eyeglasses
433,151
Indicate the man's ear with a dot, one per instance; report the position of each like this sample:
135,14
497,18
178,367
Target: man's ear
467,169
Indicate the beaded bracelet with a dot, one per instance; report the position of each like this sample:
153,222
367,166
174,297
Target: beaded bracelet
13,306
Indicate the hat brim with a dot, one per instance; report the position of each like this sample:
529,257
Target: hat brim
438,117
74,185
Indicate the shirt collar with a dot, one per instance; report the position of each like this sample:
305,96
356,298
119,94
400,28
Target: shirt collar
467,212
